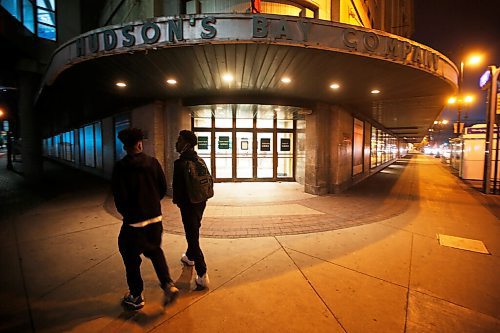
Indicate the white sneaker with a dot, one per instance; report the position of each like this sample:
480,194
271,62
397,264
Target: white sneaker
170,294
186,260
202,282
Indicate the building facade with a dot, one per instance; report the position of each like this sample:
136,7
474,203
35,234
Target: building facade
322,93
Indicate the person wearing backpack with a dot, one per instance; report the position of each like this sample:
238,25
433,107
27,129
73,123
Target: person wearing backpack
192,186
138,184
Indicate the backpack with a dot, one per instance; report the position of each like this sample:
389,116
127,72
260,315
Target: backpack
199,182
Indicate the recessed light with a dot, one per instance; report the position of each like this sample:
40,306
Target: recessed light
227,77
286,80
172,81
121,84
335,86
375,91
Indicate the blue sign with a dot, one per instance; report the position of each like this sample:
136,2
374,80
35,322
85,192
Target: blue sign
485,78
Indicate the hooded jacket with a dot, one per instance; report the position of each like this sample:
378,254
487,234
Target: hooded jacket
180,193
138,184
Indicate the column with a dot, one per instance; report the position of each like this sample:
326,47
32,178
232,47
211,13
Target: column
31,146
317,150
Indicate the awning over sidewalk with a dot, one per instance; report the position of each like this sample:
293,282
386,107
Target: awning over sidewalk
200,52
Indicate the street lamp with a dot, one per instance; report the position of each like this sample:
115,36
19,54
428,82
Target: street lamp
441,122
468,99
471,60
460,101
437,128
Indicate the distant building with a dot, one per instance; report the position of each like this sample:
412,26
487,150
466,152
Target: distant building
323,93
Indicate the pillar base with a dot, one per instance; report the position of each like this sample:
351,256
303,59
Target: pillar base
315,189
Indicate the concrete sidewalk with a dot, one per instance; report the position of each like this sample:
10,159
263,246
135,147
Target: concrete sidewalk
368,261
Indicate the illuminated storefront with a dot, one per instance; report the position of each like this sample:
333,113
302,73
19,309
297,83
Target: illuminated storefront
293,97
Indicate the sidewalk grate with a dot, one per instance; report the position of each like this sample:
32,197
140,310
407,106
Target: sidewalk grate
462,243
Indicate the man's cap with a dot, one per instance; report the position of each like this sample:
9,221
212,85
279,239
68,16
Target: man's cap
189,137
130,136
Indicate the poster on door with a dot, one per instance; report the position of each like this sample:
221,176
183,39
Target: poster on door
285,144
265,144
203,142
244,144
223,142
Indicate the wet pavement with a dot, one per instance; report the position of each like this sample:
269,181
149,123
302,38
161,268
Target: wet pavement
366,260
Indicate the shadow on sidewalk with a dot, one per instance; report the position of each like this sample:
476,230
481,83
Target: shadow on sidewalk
18,195
489,201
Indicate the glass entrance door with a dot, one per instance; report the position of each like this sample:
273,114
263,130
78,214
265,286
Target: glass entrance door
265,153
285,155
223,155
204,148
244,155
249,142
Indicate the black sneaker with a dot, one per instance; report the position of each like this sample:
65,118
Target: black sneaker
170,294
133,302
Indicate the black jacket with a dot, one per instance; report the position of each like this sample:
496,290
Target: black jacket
180,194
138,185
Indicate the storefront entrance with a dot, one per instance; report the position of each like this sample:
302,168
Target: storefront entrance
248,142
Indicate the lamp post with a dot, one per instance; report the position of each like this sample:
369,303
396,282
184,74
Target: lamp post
439,125
459,105
459,99
435,134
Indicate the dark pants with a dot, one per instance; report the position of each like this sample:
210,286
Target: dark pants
133,242
191,218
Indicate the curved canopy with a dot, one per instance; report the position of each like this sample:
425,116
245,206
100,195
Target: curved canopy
257,52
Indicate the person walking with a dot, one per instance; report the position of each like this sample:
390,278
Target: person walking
191,213
138,185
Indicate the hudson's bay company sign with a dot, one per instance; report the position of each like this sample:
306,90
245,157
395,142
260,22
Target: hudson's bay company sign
167,32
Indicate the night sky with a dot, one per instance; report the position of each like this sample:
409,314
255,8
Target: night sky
456,28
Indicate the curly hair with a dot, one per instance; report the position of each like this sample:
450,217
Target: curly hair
130,136
189,137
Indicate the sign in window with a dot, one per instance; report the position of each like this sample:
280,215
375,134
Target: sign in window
223,142
203,142
265,144
285,144
244,144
